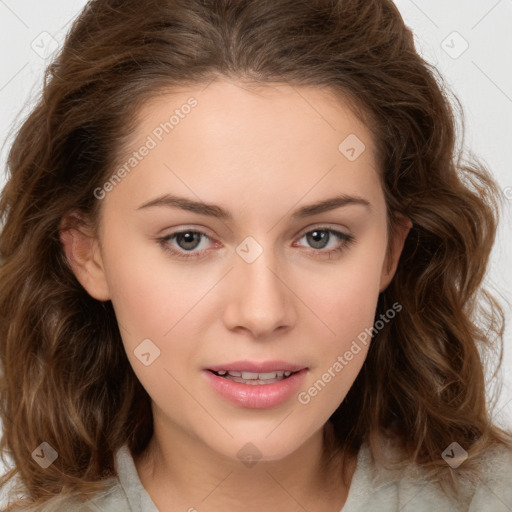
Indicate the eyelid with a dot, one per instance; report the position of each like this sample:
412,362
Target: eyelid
185,228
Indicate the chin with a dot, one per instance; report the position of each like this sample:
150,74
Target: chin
259,447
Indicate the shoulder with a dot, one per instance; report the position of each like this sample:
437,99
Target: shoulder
124,493
493,490
409,488
112,500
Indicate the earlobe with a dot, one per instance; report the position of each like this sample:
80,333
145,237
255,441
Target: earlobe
82,251
400,231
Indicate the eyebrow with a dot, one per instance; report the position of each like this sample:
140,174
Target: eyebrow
213,210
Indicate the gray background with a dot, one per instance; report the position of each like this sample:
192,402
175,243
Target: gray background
467,40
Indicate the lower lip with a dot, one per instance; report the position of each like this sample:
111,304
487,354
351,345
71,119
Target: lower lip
258,396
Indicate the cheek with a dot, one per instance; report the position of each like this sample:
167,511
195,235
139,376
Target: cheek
347,310
141,301
149,295
346,304
153,317
348,291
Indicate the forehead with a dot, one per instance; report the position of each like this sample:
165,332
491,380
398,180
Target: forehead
249,141
240,115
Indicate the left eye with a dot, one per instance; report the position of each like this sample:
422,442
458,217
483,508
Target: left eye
189,240
320,237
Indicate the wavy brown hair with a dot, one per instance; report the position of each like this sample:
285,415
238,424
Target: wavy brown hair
65,377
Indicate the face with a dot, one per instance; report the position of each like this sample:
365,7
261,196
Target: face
259,281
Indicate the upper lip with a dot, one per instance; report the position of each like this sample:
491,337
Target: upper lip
257,367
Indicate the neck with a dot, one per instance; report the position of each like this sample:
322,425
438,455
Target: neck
180,473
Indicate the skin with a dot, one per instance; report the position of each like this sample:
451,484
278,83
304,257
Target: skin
261,154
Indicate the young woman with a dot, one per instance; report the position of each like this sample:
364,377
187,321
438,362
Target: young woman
242,266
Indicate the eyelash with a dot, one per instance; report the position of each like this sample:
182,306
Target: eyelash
346,239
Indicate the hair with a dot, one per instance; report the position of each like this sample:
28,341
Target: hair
65,378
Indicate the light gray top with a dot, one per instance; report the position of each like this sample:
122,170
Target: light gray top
372,489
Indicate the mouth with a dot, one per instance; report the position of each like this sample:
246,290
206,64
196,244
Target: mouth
256,373
256,385
254,378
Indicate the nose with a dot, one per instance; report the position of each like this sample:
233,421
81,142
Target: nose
258,297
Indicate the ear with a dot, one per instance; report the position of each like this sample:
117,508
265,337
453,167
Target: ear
401,229
82,250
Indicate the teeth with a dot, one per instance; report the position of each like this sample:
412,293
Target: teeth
252,376
259,376
248,375
270,375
